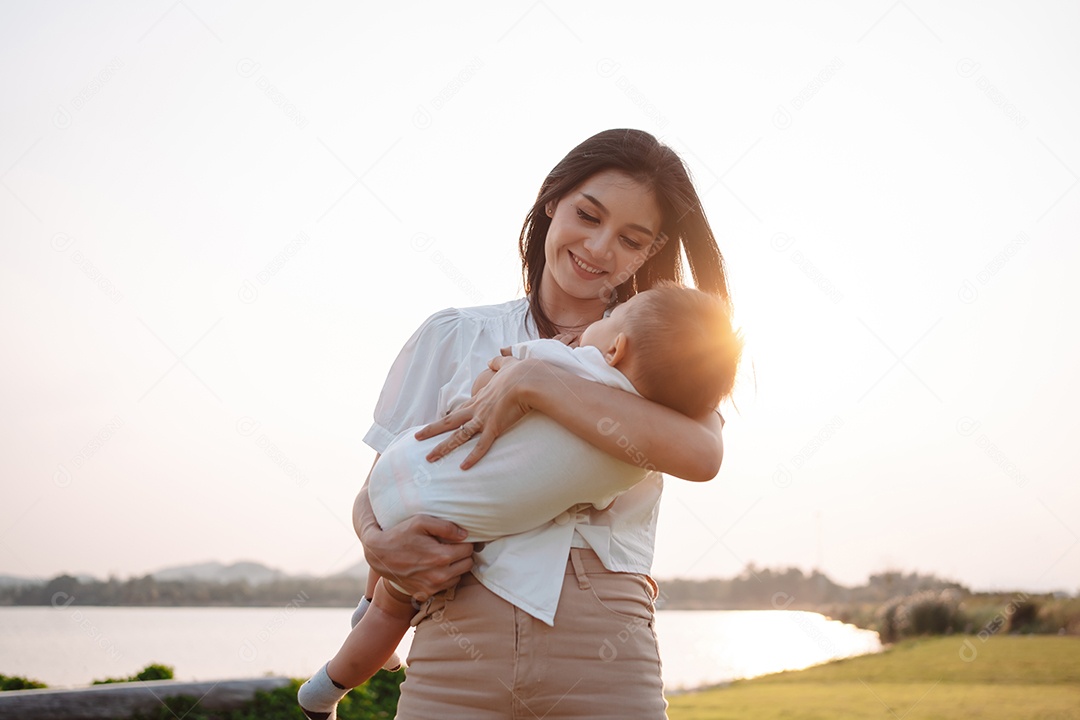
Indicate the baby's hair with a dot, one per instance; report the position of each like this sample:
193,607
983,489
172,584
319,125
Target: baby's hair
684,348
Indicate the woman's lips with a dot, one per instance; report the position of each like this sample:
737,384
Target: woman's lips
584,269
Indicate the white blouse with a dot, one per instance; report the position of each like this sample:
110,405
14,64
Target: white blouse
433,373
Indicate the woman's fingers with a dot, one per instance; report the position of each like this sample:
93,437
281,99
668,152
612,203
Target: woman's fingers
449,422
443,530
460,567
483,444
493,409
498,362
422,554
461,559
443,449
436,428
457,559
457,438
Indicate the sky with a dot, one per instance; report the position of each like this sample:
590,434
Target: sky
219,224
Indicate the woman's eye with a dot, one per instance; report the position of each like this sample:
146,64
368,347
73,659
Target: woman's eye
632,244
587,217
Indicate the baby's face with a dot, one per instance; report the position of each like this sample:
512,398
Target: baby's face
602,333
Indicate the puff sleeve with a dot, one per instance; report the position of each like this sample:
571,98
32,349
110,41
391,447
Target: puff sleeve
414,388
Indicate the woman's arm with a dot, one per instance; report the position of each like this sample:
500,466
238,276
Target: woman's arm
422,554
619,423
629,427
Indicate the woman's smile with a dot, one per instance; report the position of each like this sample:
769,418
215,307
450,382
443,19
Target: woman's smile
587,271
600,233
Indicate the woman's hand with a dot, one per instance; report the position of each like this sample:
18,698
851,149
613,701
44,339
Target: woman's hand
490,413
422,554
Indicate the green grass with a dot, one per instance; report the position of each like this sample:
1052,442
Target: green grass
1005,678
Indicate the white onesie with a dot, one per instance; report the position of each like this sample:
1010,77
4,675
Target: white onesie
534,473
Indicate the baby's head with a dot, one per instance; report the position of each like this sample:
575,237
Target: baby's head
675,344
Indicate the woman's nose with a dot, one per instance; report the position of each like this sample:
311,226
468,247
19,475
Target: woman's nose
599,245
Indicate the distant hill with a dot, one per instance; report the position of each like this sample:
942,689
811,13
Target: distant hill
251,572
241,584
358,570
16,581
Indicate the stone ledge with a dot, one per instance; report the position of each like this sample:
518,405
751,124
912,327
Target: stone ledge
122,700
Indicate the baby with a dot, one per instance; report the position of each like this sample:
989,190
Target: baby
670,344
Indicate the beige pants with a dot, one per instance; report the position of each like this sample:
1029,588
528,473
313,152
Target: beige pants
477,657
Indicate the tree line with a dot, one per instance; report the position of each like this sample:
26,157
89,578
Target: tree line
763,588
754,588
65,590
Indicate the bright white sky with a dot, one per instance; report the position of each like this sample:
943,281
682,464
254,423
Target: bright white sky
218,225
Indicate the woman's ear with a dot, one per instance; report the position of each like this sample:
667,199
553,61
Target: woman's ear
549,208
617,352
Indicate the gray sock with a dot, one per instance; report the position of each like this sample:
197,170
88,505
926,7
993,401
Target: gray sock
359,611
320,695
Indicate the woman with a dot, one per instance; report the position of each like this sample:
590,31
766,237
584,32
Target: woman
611,219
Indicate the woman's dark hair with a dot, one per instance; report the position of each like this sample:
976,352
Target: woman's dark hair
656,166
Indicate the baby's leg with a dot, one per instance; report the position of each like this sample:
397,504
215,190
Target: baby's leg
375,637
365,650
369,593
372,581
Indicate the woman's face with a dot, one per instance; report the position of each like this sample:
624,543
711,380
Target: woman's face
600,234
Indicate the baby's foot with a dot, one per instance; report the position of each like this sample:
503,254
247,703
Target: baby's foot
319,696
394,663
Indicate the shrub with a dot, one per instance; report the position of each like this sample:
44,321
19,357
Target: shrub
1025,618
377,698
155,672
1060,616
1020,613
11,682
924,613
891,621
150,672
931,613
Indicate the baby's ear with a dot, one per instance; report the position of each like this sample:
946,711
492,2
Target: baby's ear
617,352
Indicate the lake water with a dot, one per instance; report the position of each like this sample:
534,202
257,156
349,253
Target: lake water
70,646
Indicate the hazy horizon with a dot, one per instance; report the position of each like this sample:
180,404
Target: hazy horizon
303,573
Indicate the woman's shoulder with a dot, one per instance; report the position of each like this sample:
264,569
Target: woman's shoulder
476,317
510,309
